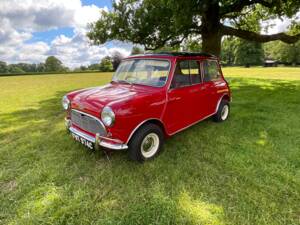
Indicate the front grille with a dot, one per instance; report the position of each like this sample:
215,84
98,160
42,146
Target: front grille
87,122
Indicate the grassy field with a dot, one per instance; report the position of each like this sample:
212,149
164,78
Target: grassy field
244,171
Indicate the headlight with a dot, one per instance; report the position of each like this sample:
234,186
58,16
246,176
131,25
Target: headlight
65,103
107,116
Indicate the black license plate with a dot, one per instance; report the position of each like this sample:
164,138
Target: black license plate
83,141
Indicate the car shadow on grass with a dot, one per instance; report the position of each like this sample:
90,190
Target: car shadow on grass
242,171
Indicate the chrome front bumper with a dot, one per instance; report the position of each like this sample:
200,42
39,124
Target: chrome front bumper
98,140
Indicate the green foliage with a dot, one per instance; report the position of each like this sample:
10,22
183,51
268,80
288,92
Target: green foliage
150,22
163,23
241,172
41,67
136,50
15,69
106,64
236,51
53,64
248,53
94,66
3,67
288,54
228,50
193,45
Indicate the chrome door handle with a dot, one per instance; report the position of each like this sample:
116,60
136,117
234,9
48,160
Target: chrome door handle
174,99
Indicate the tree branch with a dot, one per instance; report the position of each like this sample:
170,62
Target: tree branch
252,36
163,42
239,5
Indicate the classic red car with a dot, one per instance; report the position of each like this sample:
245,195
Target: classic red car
151,97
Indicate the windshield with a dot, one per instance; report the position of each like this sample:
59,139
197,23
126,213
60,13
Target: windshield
152,72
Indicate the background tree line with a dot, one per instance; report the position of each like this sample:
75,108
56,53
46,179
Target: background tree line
235,52
53,64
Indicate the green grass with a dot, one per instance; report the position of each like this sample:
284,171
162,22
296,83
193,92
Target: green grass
285,73
243,171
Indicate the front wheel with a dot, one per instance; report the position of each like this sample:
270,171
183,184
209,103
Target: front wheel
146,143
223,111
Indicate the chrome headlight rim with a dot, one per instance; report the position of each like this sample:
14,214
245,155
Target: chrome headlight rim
65,103
108,116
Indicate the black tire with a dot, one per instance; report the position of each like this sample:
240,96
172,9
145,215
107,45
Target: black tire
219,116
135,151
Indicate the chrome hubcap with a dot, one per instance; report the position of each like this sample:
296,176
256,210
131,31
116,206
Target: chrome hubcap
150,145
224,113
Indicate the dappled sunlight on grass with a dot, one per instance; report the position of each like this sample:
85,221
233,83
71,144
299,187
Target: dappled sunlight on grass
38,202
198,212
262,139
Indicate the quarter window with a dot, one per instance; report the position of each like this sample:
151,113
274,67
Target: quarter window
211,70
186,73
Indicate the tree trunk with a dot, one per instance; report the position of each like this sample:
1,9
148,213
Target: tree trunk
211,30
211,43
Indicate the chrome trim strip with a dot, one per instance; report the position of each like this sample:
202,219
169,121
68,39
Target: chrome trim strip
113,146
81,134
102,143
111,139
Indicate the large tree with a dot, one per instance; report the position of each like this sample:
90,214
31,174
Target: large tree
156,23
106,64
53,64
116,58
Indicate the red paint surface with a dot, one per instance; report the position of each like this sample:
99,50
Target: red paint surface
175,109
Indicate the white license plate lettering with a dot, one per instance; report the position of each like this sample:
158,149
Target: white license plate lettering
83,141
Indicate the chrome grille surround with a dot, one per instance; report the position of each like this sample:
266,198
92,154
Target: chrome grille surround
87,122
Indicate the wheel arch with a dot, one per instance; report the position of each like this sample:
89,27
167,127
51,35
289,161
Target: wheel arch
226,97
155,121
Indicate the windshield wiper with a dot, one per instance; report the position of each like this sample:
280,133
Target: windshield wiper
124,81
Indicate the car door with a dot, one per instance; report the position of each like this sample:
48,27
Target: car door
184,98
211,82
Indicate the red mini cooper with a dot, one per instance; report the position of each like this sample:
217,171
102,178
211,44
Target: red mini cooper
151,97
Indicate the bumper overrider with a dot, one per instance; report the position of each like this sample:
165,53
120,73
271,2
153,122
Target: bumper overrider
97,140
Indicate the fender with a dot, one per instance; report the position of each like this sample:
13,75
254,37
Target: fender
140,124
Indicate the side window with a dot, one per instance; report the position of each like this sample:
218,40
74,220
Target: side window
194,72
211,70
184,67
186,73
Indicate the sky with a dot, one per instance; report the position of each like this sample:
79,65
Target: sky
32,30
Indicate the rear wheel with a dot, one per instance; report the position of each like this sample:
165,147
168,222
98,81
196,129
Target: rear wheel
223,111
146,143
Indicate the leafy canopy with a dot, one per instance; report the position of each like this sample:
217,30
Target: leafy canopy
157,23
